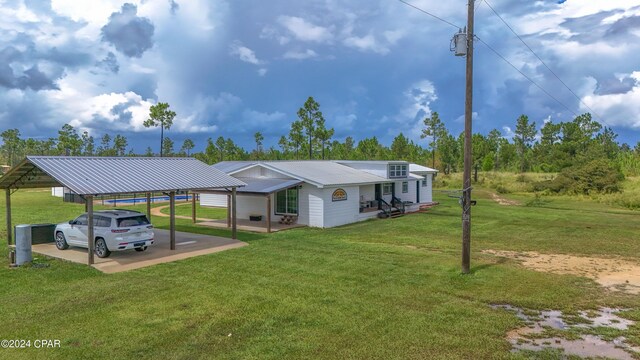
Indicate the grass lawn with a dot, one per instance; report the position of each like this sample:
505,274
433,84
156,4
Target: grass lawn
201,212
381,289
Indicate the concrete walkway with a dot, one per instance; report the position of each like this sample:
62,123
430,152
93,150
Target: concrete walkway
187,245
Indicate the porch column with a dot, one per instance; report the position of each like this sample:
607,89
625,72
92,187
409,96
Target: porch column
228,210
193,206
234,213
149,206
91,239
8,208
268,213
172,220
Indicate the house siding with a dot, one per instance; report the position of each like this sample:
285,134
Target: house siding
213,200
338,213
311,206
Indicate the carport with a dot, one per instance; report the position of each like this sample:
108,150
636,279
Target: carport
94,176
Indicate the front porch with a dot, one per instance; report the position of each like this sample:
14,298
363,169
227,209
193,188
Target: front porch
252,226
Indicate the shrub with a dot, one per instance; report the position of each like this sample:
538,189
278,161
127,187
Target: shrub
596,176
501,189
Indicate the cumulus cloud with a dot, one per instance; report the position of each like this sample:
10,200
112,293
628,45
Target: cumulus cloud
130,34
300,54
244,53
304,30
618,108
366,43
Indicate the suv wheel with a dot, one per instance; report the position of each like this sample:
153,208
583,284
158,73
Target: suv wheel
61,242
101,248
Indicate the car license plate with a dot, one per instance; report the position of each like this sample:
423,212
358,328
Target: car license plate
138,244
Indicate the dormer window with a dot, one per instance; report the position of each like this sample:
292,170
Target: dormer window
397,171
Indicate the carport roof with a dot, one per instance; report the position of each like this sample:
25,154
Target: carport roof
116,175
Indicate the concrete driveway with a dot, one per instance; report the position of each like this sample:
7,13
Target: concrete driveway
187,245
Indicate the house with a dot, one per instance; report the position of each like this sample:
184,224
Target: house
325,193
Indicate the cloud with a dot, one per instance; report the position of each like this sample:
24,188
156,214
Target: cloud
174,7
31,78
244,53
366,43
299,55
262,71
269,32
304,30
418,98
109,63
130,34
615,85
617,108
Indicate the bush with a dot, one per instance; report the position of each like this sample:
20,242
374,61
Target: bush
501,189
597,176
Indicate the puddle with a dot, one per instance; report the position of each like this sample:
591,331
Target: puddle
528,337
614,274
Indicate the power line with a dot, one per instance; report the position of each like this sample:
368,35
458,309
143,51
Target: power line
542,61
430,14
505,59
527,77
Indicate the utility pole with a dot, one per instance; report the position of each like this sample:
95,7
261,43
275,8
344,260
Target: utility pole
466,180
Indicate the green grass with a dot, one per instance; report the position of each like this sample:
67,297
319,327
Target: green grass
201,212
382,289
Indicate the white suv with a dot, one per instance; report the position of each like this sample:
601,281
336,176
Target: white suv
114,230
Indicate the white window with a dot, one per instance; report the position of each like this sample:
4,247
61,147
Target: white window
397,171
387,188
405,187
424,181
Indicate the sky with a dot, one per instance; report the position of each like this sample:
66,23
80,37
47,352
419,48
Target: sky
377,67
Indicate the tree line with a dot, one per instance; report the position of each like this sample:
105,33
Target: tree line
555,147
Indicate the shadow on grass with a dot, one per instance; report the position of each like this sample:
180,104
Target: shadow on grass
476,269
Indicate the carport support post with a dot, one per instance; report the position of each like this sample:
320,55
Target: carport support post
268,213
193,207
149,206
228,210
172,219
234,213
90,236
9,228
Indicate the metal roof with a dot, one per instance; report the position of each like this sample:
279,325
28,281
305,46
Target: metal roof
415,168
323,173
231,166
116,175
266,185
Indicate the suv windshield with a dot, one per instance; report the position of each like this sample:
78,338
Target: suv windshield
133,221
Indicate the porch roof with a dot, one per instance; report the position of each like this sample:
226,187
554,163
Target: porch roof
266,185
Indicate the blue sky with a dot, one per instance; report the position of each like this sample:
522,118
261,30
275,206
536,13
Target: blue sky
377,67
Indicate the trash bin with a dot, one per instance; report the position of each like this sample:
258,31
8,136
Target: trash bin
23,244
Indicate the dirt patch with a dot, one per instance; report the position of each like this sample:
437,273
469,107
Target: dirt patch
614,274
502,201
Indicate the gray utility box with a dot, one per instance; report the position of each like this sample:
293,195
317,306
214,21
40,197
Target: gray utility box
23,244
28,234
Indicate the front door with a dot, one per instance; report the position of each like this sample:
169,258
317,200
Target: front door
378,193
417,191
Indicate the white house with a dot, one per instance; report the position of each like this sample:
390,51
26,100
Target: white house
325,193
